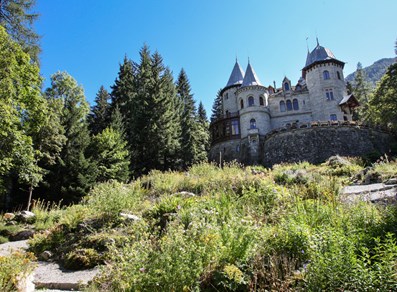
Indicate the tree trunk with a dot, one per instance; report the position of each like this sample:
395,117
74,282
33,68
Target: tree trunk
30,197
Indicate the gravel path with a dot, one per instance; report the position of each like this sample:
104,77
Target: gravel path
50,275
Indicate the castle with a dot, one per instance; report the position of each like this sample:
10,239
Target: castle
251,111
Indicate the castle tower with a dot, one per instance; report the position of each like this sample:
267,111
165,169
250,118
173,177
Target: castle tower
229,100
252,98
326,84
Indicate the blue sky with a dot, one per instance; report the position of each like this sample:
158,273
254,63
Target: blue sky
89,38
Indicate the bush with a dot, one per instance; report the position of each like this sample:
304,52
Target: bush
15,268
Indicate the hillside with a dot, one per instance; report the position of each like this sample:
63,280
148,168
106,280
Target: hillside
224,229
375,71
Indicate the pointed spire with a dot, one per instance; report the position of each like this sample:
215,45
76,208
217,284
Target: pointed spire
318,44
237,75
250,77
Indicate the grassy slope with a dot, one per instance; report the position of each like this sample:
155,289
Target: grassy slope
244,229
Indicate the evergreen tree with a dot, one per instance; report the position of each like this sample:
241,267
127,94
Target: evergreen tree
203,134
361,90
99,116
109,151
74,175
217,106
189,127
117,122
383,103
17,19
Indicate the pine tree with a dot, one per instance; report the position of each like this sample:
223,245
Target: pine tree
361,90
189,127
99,116
109,151
217,106
17,19
203,135
74,175
383,103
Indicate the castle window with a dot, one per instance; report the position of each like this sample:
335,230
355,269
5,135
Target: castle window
226,95
251,101
261,100
329,94
295,104
289,105
241,104
326,75
286,86
227,113
333,117
282,106
338,74
235,127
252,124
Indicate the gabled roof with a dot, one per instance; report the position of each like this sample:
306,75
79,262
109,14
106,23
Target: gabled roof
250,77
237,75
350,100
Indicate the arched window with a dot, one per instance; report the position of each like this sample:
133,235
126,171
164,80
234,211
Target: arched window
242,104
333,117
251,101
286,86
252,124
295,104
326,75
289,105
282,106
338,74
261,100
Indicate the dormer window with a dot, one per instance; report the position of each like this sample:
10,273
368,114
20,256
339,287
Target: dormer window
251,101
326,75
286,86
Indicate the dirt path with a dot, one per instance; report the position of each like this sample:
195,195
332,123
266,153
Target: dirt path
49,275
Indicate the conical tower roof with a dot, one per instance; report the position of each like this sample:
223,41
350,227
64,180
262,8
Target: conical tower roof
250,77
319,54
236,77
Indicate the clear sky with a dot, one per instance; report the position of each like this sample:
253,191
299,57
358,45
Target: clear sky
89,38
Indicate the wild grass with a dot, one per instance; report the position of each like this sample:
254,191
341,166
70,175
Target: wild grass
231,229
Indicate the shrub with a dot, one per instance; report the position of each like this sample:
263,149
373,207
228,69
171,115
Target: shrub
15,268
80,259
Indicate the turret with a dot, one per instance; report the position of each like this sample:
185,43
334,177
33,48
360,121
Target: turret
324,79
229,99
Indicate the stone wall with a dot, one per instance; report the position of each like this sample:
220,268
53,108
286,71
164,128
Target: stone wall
317,143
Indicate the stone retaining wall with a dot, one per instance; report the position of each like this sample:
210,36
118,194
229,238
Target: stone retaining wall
317,141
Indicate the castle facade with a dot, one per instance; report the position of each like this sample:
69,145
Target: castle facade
251,111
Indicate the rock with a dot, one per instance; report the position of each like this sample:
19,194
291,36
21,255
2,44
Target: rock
22,235
45,255
337,161
8,216
130,217
25,217
184,194
11,223
391,181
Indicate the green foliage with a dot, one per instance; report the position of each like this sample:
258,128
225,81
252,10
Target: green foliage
361,90
17,18
109,152
99,116
383,105
81,259
14,268
73,175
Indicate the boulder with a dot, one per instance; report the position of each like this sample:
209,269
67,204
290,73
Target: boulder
25,217
45,255
8,216
337,161
22,235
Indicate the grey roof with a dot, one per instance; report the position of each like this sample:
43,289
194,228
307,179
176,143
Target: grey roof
250,77
348,98
319,54
237,75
